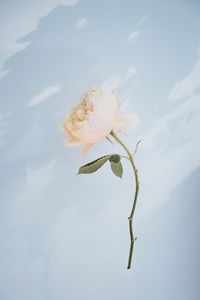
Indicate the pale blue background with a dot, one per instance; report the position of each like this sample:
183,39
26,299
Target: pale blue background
64,236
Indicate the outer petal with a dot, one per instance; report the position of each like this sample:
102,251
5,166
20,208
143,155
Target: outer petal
86,149
72,143
126,123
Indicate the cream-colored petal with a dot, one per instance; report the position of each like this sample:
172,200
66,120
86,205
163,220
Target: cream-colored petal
64,129
108,103
72,143
126,123
97,128
86,149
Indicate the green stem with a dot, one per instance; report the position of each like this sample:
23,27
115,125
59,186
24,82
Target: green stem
130,218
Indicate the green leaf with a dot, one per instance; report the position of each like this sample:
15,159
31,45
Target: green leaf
94,165
117,168
115,157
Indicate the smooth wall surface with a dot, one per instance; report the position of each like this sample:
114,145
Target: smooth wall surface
64,236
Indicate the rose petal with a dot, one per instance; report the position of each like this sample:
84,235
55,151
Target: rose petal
126,123
72,143
86,149
101,120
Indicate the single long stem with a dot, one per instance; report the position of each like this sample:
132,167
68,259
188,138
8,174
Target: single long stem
130,218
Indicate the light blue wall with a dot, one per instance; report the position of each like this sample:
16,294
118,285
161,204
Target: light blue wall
64,236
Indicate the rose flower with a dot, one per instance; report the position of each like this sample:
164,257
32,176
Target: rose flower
93,119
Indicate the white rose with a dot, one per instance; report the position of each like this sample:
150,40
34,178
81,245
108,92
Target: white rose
95,117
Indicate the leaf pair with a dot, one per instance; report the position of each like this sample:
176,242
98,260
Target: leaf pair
93,166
